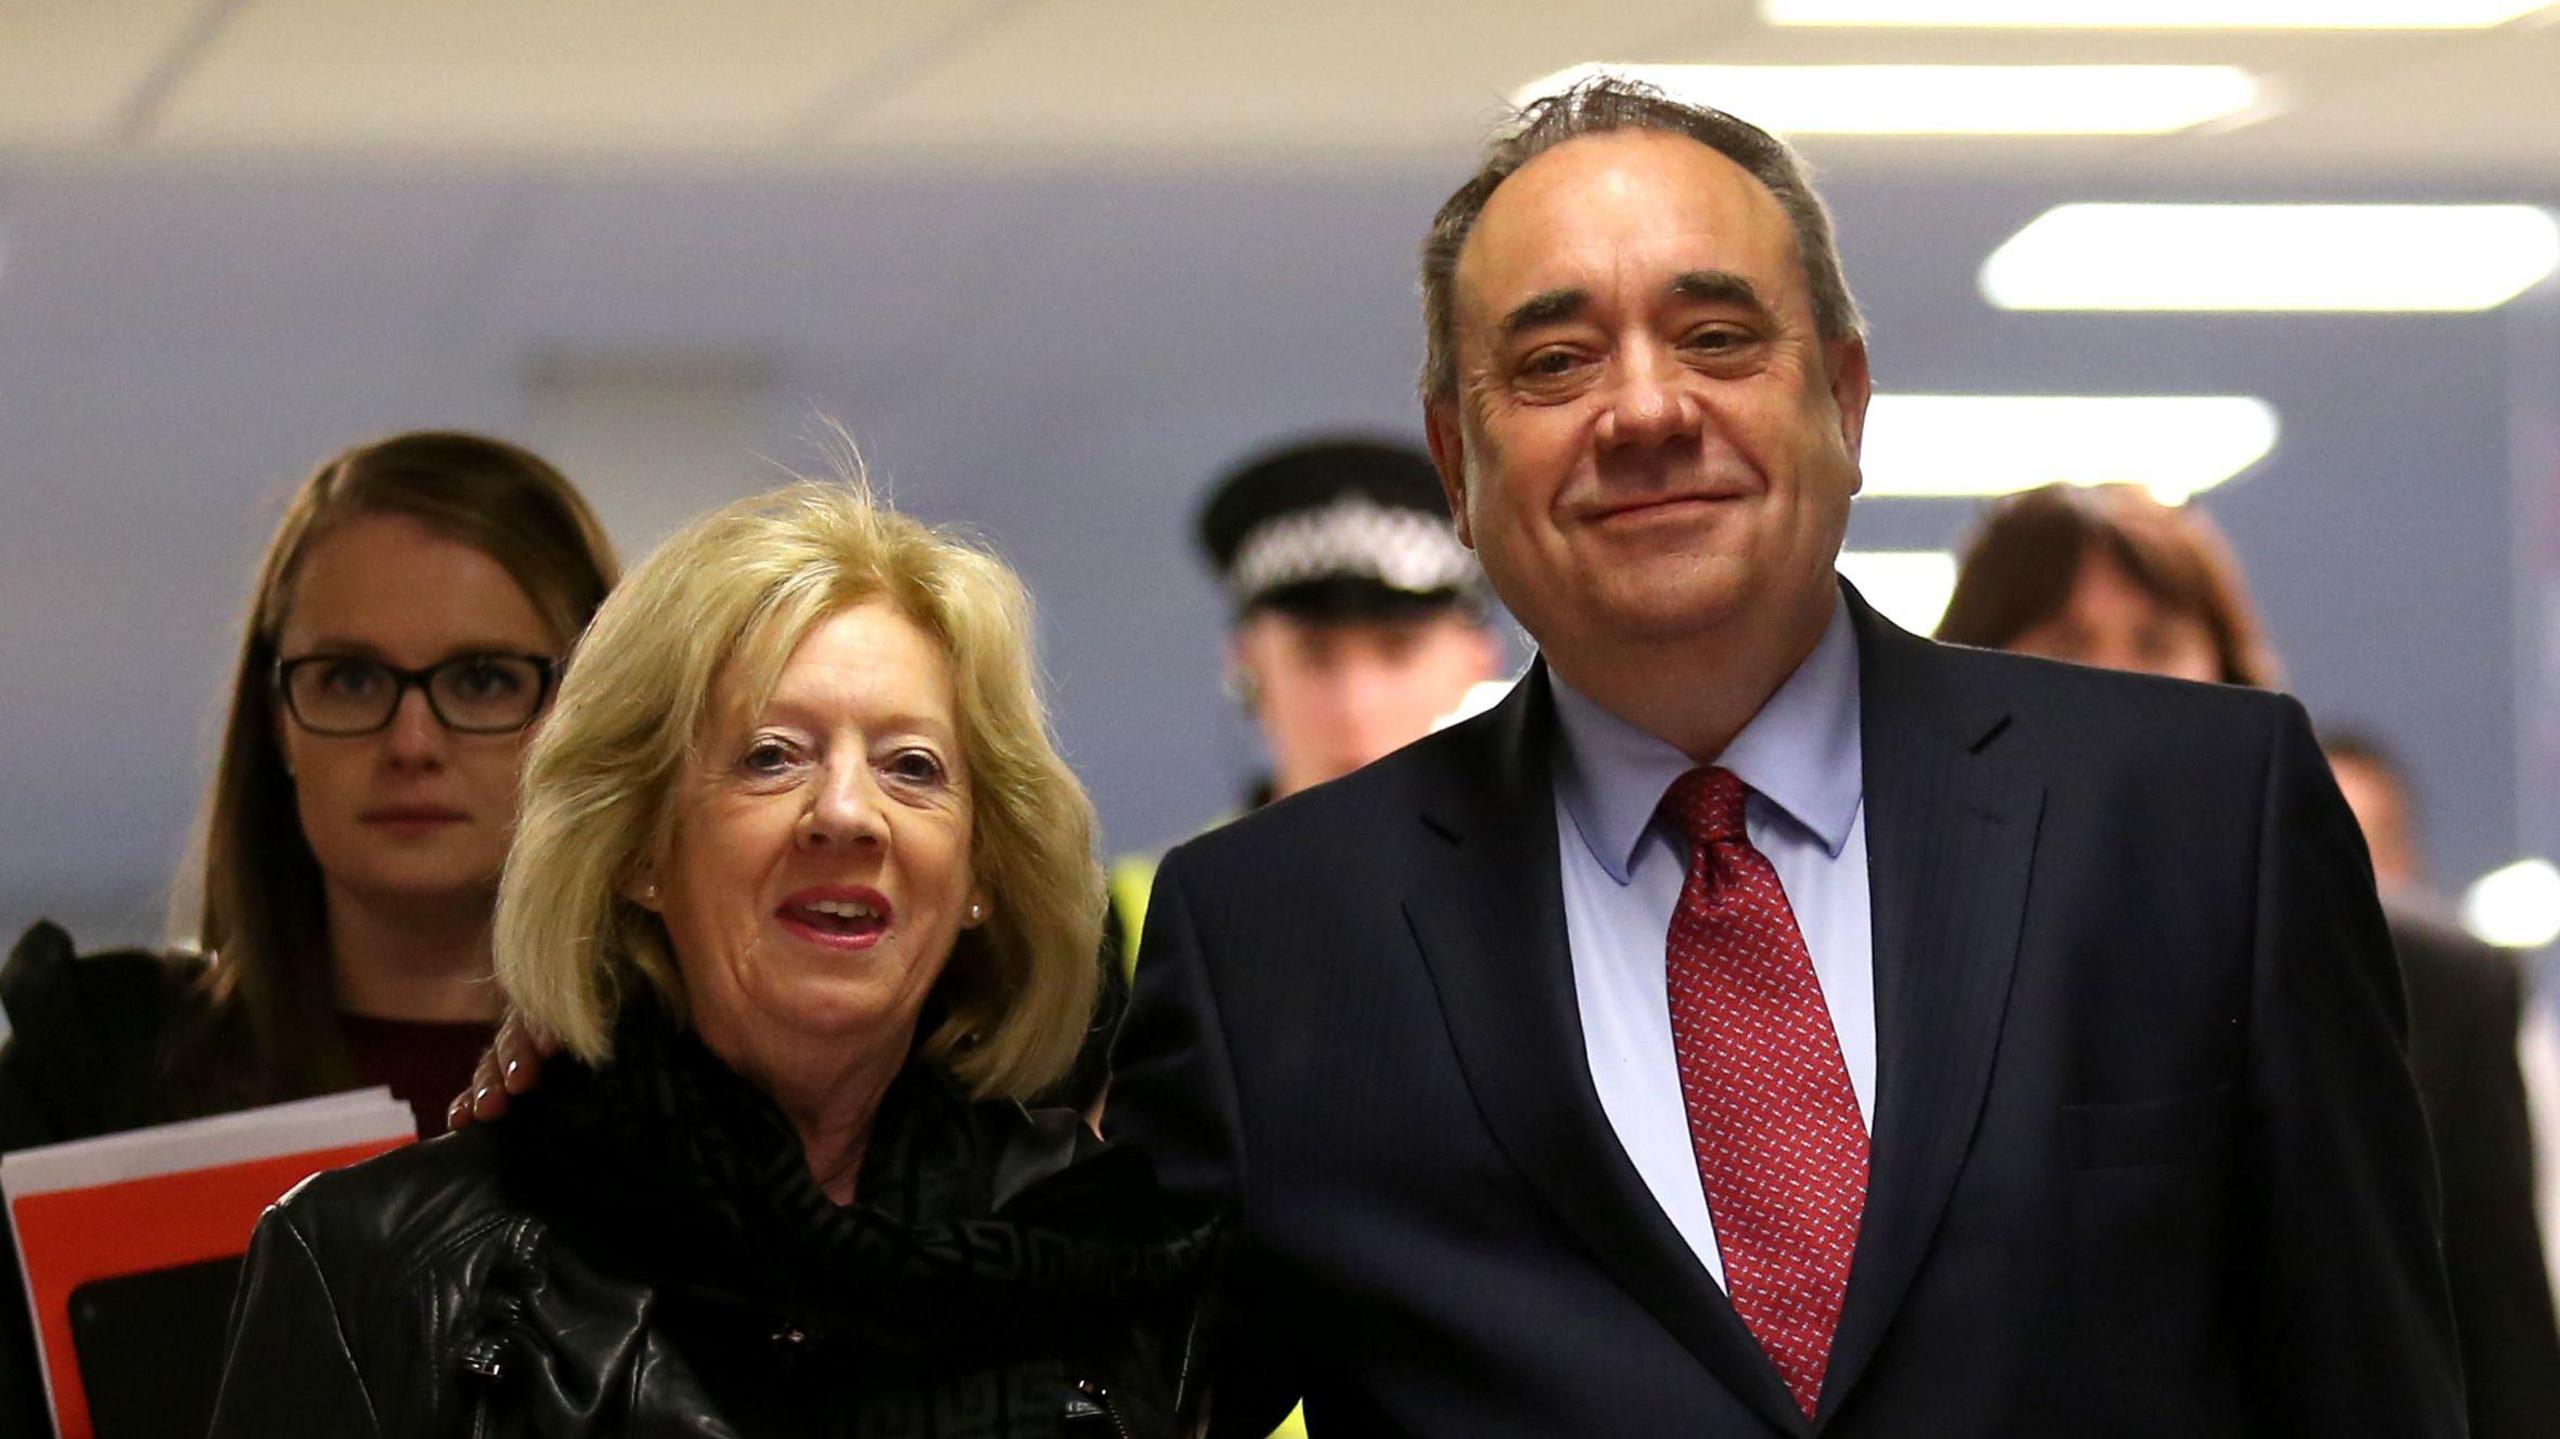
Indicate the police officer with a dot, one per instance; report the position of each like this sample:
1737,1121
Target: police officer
1359,623
1359,620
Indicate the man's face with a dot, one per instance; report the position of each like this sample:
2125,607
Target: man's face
1333,696
1650,443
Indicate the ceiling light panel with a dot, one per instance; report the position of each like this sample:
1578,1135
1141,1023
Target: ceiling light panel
2154,14
1945,99
2273,258
1958,446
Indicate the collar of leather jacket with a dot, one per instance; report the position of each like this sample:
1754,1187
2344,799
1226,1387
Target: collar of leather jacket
973,1221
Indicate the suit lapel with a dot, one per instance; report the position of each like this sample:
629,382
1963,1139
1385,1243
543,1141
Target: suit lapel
1951,830
1487,910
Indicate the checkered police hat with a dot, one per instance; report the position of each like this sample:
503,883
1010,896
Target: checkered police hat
1337,528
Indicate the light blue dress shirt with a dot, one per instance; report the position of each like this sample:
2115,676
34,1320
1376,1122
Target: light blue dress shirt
1622,873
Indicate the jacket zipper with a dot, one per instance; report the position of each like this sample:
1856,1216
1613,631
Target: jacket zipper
1100,1398
484,1359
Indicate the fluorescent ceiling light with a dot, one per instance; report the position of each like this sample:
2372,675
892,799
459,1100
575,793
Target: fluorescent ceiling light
2517,907
1944,99
2155,14
1934,446
1909,587
2273,257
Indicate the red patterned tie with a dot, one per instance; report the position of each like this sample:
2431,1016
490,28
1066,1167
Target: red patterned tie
1781,1150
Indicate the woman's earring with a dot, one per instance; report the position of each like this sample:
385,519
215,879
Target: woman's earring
977,911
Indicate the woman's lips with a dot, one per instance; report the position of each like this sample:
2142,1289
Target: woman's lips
413,819
837,917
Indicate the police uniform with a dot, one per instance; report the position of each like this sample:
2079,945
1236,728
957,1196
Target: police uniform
1330,531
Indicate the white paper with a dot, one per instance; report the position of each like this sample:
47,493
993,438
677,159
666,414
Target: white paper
327,1122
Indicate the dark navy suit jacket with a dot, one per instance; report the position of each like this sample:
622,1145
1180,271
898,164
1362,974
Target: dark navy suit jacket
2146,1155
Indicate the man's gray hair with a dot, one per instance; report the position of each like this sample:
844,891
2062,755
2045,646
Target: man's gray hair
1599,106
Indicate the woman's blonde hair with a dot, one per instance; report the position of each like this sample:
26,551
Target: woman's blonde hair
727,599
252,893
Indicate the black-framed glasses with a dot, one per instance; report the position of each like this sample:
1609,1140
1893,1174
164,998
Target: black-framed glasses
482,693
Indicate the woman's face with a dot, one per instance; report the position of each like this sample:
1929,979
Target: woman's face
2113,623
819,871
412,812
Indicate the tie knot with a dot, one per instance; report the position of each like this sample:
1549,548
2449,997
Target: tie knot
1706,806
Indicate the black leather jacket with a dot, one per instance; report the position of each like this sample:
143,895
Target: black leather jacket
640,1250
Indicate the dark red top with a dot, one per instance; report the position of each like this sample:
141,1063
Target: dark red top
426,1062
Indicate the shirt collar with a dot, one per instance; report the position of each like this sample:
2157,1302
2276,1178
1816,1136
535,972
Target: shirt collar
1801,752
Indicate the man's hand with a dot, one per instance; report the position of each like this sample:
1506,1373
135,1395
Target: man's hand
509,1066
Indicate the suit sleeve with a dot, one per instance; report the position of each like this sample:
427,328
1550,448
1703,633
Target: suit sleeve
1173,1093
2350,1328
2464,1009
289,1371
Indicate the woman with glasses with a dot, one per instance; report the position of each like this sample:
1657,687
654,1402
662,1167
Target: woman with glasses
409,620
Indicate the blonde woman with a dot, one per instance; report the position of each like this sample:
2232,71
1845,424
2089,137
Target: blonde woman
808,897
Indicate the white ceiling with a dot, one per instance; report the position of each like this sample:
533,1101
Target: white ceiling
1148,81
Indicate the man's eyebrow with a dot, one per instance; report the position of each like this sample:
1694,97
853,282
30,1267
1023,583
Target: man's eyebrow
1714,287
1545,309
1718,287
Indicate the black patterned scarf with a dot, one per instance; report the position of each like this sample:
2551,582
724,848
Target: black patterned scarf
985,1243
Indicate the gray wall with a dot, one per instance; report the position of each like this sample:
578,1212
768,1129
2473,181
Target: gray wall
1058,359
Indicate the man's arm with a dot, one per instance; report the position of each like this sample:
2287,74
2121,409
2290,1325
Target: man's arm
1173,1092
2350,1327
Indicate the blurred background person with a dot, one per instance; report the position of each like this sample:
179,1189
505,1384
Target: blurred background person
407,623
1359,620
2378,789
2467,1007
809,899
2109,576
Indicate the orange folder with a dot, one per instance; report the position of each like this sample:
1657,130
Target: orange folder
157,1199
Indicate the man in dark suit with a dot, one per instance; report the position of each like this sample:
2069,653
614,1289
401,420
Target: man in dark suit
2466,1003
1766,1022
